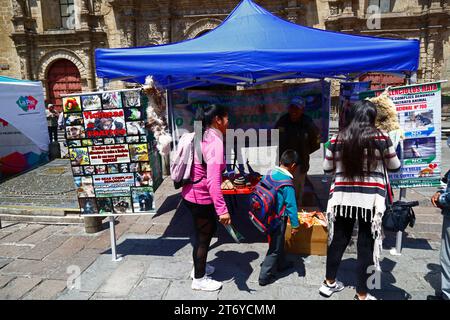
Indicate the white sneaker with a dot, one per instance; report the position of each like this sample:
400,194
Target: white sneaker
368,297
206,284
327,290
209,270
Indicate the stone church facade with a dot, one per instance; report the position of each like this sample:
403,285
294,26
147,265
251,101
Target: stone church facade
54,40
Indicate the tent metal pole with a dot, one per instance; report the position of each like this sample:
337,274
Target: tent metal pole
397,251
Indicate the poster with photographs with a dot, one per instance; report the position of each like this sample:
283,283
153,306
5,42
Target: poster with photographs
419,112
111,153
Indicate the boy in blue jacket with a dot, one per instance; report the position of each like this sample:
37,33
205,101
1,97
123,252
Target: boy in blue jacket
275,260
441,199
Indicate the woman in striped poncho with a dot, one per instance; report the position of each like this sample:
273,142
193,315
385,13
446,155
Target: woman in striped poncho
355,156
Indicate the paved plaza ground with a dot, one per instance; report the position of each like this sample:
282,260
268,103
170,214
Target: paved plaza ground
43,261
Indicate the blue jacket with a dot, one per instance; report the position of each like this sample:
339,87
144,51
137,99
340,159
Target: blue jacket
286,196
444,200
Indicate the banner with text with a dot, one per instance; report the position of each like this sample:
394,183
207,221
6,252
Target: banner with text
110,152
419,112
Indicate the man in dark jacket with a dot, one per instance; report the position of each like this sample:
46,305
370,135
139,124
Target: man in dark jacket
297,131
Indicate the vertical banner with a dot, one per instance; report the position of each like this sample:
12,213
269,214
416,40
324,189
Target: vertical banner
110,152
419,111
24,138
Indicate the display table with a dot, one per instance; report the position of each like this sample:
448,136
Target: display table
232,194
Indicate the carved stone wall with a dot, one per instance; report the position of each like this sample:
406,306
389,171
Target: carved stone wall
125,23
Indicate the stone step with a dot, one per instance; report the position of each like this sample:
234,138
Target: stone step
44,219
33,211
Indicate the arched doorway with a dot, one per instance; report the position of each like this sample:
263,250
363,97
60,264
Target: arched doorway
63,77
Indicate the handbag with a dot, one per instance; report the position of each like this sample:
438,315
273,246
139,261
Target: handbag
398,214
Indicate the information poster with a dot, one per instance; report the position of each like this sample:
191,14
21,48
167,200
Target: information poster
419,111
110,152
255,109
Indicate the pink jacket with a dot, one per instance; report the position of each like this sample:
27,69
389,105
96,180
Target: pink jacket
208,190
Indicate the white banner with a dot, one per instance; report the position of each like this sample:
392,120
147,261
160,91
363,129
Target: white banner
22,106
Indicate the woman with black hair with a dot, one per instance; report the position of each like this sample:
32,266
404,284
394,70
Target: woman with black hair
357,156
204,197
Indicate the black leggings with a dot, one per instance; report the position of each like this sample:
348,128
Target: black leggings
205,225
343,229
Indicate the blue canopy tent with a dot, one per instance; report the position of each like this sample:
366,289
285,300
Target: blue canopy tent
252,46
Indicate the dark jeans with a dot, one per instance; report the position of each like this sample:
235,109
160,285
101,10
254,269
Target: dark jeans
275,258
205,225
53,132
343,229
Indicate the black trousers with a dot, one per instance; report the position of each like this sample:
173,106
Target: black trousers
53,133
205,225
343,229
275,258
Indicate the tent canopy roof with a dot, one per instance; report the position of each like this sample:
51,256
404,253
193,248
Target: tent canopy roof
253,46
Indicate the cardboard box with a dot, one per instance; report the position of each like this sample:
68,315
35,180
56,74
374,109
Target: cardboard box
308,241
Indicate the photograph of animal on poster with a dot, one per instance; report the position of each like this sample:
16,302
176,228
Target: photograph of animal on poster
419,148
143,199
418,120
88,206
113,185
122,205
84,186
417,171
99,124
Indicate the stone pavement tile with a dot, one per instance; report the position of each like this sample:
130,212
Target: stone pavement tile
298,292
44,248
69,248
22,233
42,234
421,295
18,287
168,268
46,290
150,289
102,296
181,290
74,295
14,250
230,291
5,261
10,229
145,219
94,276
410,281
139,228
165,218
102,241
123,279
27,268
392,294
157,229
62,269
73,230
4,280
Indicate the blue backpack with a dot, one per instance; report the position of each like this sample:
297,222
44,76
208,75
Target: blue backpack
263,203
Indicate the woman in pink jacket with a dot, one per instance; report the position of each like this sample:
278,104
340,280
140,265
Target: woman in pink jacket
204,198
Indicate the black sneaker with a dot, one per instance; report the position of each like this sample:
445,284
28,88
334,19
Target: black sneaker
437,297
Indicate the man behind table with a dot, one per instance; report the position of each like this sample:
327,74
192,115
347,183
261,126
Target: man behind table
297,131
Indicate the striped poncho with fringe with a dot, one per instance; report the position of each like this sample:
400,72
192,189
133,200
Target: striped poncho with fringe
360,197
